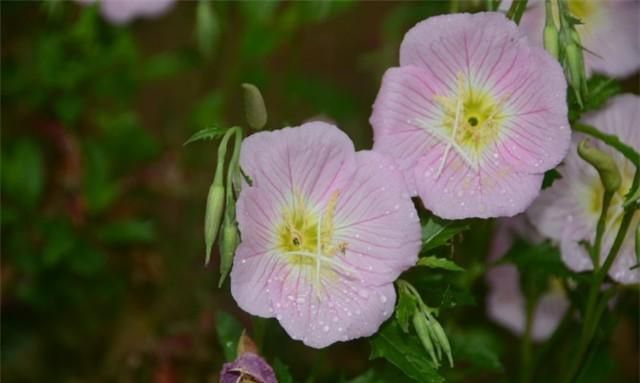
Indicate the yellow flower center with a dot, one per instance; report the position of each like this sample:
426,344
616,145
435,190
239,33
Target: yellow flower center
305,238
581,9
471,121
595,194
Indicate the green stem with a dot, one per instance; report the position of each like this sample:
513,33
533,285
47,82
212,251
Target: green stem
592,315
602,221
525,346
516,10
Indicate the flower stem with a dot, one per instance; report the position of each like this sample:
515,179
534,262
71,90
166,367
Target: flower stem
525,346
594,311
602,221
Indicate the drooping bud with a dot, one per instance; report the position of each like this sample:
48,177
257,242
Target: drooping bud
603,163
213,214
443,341
255,110
550,33
248,367
421,325
228,244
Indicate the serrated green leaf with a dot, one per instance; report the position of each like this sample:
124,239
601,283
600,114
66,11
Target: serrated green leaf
206,134
438,232
228,330
283,374
404,352
439,263
406,306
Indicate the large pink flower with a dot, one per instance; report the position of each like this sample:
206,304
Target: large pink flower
505,302
609,31
124,11
568,212
325,232
474,115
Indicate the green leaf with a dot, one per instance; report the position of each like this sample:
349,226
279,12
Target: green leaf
439,263
550,177
283,375
438,232
23,173
206,134
99,187
478,348
601,89
128,231
228,330
406,306
404,352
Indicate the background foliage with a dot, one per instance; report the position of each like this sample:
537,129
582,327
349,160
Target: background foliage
102,207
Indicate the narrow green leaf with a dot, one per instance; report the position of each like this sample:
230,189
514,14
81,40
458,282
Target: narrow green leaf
404,352
206,134
439,263
228,330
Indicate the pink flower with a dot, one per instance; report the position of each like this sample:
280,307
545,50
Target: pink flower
474,115
248,367
568,211
505,302
609,30
325,232
123,11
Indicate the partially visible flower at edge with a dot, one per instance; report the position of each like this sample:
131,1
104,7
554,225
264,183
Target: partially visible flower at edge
247,368
474,115
124,11
609,31
569,210
505,302
325,233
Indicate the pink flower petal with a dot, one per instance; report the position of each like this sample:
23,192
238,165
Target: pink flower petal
568,212
349,230
475,110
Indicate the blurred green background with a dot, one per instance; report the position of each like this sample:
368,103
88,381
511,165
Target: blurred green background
102,206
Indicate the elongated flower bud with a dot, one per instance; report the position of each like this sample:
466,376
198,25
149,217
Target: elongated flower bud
421,325
604,164
254,108
228,244
213,214
443,341
550,33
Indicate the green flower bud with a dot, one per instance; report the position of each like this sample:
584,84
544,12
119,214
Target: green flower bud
213,214
228,244
550,33
550,36
421,325
255,110
442,340
604,164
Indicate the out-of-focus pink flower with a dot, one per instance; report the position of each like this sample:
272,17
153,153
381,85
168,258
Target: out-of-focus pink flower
568,211
609,30
474,115
325,232
249,368
505,302
124,11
